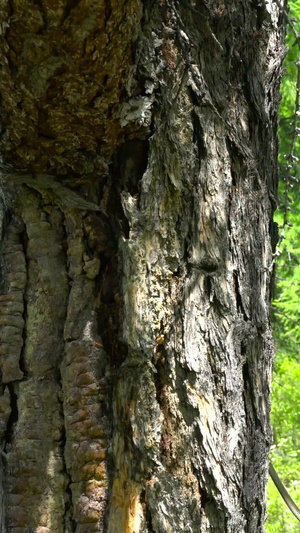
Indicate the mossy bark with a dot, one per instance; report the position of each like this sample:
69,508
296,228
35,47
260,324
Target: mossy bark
139,177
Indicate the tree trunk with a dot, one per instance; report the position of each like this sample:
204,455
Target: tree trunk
139,164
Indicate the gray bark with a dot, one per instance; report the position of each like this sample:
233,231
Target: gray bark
139,167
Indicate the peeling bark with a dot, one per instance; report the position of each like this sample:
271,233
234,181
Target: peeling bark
139,178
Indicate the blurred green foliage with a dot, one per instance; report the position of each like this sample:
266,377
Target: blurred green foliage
285,452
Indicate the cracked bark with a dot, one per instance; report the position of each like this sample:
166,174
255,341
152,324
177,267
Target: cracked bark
138,156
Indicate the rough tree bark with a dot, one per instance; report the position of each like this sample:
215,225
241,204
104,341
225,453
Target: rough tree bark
138,159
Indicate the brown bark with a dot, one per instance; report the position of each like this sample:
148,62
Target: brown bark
139,170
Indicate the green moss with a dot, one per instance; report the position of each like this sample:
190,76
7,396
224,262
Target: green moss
62,81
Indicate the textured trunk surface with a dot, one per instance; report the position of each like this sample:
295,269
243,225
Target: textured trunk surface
138,158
